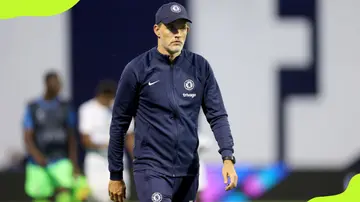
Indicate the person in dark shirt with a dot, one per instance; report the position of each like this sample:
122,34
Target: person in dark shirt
164,89
49,125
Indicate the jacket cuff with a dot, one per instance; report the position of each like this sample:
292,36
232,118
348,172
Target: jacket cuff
116,176
226,153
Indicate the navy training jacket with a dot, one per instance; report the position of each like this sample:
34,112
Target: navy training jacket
165,99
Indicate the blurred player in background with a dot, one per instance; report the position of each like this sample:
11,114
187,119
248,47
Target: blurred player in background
205,143
94,126
49,125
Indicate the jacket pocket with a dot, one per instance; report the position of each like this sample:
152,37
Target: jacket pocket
144,140
141,141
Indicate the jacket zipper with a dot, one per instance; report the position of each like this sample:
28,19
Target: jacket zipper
175,105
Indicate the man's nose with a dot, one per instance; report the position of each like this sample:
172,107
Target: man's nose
175,31
177,34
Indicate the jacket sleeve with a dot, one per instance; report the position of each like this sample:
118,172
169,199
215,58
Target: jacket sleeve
123,111
216,115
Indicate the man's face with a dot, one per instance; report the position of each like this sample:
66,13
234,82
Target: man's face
54,85
172,36
108,98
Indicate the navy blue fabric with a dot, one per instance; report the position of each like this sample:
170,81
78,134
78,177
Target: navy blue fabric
152,186
165,98
170,12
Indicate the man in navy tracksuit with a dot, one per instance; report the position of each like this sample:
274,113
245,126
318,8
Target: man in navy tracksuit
164,89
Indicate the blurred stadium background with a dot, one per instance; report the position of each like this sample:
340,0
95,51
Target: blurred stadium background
288,70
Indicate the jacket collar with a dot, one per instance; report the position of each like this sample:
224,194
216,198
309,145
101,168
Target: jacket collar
165,58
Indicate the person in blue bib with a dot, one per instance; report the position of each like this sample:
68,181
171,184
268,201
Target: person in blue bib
49,124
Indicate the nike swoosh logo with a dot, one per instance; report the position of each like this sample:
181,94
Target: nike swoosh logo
152,83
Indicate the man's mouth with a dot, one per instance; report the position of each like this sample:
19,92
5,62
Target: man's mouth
177,42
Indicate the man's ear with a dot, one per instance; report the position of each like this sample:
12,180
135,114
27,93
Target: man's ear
188,26
157,30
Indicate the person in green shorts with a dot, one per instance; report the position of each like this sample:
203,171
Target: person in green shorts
49,125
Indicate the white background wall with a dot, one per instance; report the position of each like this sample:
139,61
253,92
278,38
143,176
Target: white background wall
245,41
28,47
